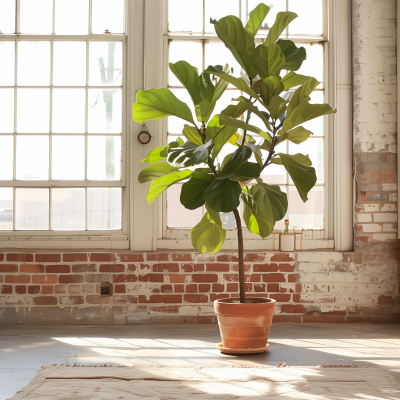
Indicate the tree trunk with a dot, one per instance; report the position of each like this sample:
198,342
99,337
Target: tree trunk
241,258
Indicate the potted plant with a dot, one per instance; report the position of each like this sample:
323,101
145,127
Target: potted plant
268,82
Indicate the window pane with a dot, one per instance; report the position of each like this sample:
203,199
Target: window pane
65,72
33,110
33,63
104,158
6,157
32,157
105,63
188,51
68,209
308,215
32,209
105,111
314,64
104,208
7,16
7,110
64,150
178,215
315,149
108,15
217,54
7,65
217,9
274,174
36,16
276,6
185,16
72,10
6,209
69,110
309,20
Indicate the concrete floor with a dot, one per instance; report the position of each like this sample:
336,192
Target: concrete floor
23,350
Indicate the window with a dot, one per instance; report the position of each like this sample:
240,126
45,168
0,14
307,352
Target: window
192,38
62,130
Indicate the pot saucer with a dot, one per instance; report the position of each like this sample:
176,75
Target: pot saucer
246,350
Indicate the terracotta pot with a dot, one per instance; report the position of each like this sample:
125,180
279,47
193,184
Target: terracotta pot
244,326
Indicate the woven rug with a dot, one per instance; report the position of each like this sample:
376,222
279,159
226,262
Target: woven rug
168,383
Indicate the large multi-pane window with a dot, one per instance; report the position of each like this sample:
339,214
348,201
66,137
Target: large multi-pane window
61,123
191,37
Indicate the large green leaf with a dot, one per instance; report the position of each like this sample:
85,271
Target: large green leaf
298,135
303,177
235,110
270,200
292,79
208,235
159,103
155,155
256,18
223,195
268,61
241,44
277,106
300,158
189,77
283,19
301,93
193,189
237,82
270,87
155,171
192,134
225,120
202,152
222,137
247,172
182,156
255,110
256,149
294,56
239,157
160,184
255,220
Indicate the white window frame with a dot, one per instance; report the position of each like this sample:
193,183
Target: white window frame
104,239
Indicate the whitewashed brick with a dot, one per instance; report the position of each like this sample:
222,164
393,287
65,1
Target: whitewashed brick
385,217
369,228
384,237
393,196
188,311
319,257
206,310
389,207
389,227
314,267
364,217
389,186
372,207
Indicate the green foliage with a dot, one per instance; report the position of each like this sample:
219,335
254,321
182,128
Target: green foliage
280,101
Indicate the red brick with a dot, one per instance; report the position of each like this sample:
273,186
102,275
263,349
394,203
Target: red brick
214,296
124,278
34,289
165,309
286,267
259,287
198,267
97,299
71,279
172,298
298,288
205,278
157,257
132,267
102,257
176,278
8,268
232,287
32,268
218,287
17,279
74,257
254,257
151,278
295,318
204,288
151,299
231,277
166,267
21,257
6,289
58,269
166,288
280,318
293,308
187,268
1,257
293,277
112,268
45,301
72,300
74,289
207,320
47,290
247,267
265,268
144,267
296,298
195,298
248,287
282,298
155,290
48,257
227,258
191,288
179,289
255,278
324,318
217,267
274,278
132,257
60,289
273,287
384,300
281,257
20,289
182,257
84,268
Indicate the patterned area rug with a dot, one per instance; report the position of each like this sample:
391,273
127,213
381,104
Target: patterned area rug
165,383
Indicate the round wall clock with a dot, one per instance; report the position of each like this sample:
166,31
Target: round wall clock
144,137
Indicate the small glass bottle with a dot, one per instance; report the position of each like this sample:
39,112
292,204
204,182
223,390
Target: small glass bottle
286,226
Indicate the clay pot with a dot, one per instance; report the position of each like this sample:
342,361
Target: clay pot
244,327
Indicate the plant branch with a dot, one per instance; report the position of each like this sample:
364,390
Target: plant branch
247,118
241,258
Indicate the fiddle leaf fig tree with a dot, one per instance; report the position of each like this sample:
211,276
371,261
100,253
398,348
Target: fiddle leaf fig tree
274,92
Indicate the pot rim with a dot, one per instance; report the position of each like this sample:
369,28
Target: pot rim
267,300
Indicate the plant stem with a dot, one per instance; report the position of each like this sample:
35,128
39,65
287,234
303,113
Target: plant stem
241,258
